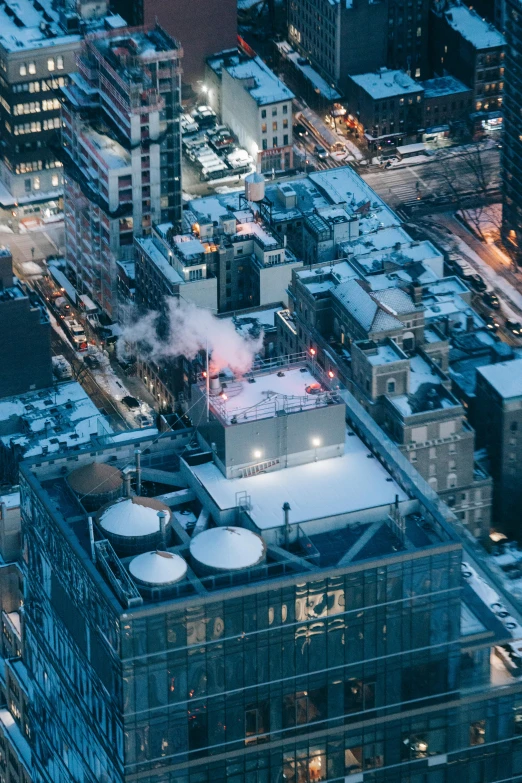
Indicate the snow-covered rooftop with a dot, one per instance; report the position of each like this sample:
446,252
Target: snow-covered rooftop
159,260
316,490
443,85
387,83
50,420
471,26
505,377
107,149
285,389
266,88
344,185
24,26
310,74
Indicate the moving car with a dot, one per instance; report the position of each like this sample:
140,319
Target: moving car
320,152
300,130
491,300
492,323
515,327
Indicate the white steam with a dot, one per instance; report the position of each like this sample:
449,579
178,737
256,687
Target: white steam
190,329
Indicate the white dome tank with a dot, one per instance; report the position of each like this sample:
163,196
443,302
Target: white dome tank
255,187
158,569
132,525
226,549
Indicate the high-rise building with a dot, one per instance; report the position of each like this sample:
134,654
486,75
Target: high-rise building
343,39
273,596
202,27
122,152
499,424
25,344
512,144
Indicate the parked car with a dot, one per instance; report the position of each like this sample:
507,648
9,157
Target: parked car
478,283
515,327
320,152
300,130
144,421
91,361
62,370
491,300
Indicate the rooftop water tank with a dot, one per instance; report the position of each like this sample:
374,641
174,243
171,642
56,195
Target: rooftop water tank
226,549
96,484
255,187
158,569
132,525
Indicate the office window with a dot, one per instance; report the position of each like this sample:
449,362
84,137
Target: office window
55,180
59,62
304,707
32,67
23,69
51,65
257,717
358,696
477,732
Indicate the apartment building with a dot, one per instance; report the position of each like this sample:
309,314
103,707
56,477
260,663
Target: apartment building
388,107
472,49
375,338
216,28
499,422
255,104
342,39
122,153
512,143
25,347
37,53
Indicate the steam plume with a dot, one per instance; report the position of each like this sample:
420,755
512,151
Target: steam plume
184,331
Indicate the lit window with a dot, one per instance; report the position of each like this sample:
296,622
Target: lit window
59,62
36,183
419,32
32,67
50,64
23,69
417,73
274,126
55,179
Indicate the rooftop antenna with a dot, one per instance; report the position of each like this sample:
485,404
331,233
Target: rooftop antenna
287,509
137,454
91,539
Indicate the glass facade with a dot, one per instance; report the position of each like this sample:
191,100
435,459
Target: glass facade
358,672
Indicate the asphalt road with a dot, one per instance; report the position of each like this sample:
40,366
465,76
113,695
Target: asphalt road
49,241
403,185
82,374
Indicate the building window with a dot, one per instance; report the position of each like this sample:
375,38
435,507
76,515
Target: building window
390,386
32,68
257,718
265,144
59,62
23,69
51,65
195,274
359,696
55,180
263,113
285,109
36,183
263,128
285,123
477,732
285,139
304,707
419,32
274,111
451,481
417,73
274,126
274,141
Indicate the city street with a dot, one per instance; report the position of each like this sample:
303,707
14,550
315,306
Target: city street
46,242
406,185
